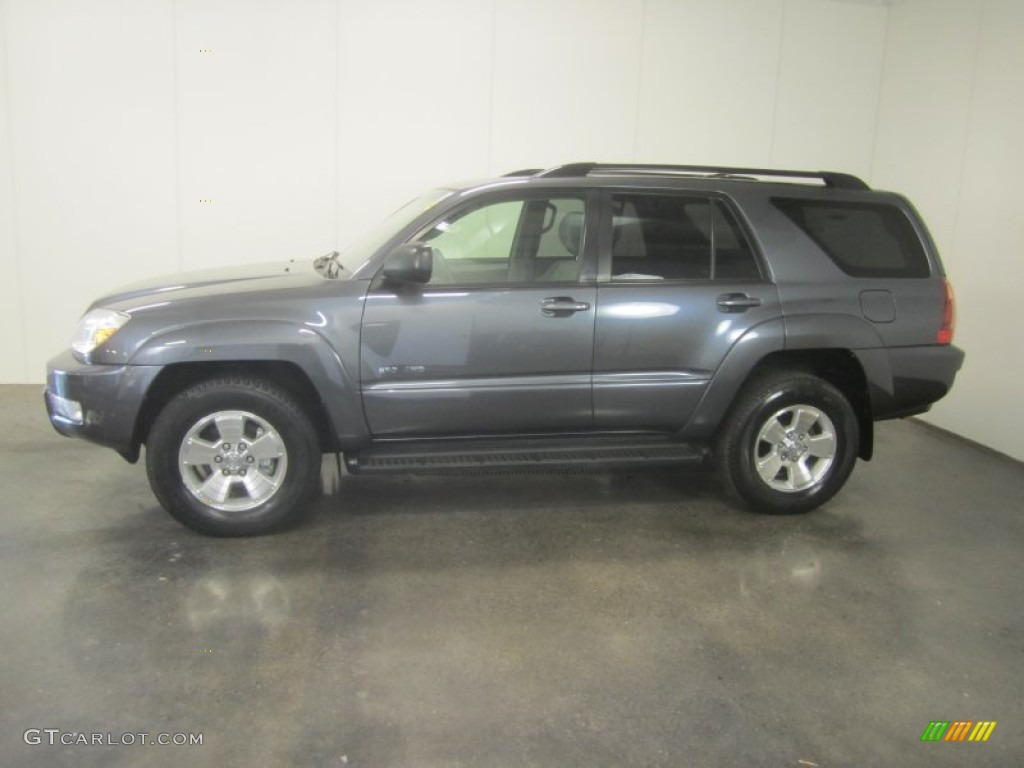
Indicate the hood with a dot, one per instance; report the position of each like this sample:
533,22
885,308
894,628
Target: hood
215,281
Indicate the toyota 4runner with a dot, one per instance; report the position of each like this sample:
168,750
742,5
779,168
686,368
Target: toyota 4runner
584,316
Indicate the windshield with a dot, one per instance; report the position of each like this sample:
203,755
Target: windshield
359,250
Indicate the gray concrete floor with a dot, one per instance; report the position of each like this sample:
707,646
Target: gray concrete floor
632,619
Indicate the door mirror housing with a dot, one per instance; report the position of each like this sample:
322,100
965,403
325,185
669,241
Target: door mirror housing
409,263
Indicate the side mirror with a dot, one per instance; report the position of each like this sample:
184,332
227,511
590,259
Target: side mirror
409,263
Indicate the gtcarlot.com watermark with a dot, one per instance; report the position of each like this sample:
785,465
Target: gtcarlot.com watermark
58,737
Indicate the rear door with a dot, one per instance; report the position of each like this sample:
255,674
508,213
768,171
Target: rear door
501,338
679,285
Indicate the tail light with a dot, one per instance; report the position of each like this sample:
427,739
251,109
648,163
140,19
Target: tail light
945,334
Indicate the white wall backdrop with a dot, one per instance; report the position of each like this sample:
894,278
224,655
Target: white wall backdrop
951,137
140,137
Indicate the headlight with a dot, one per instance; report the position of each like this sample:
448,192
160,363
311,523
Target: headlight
96,327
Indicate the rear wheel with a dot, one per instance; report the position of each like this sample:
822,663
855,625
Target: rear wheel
789,443
233,457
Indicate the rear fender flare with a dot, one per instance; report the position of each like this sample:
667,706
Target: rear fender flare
732,373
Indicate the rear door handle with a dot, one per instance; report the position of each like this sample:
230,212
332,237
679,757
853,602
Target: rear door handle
561,305
737,302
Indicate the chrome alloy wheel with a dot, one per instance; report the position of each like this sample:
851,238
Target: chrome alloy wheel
232,461
795,448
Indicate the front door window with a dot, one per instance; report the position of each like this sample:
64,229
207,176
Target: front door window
537,240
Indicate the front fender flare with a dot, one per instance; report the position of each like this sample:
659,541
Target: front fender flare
262,341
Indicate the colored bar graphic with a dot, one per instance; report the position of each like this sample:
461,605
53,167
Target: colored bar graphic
958,730
982,731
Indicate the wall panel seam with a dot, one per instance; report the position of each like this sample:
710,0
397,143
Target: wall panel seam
337,124
179,230
15,237
881,83
778,83
961,172
640,78
490,91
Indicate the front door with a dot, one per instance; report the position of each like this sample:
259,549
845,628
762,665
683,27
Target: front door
500,341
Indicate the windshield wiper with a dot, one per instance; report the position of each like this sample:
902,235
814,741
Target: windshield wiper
328,265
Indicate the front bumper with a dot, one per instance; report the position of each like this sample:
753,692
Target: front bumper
99,403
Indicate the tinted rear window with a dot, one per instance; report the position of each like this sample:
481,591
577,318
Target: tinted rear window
863,239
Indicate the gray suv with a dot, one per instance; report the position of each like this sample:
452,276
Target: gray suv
583,316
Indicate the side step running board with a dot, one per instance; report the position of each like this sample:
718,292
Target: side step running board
534,455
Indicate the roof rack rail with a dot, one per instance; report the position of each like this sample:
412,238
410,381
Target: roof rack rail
522,172
832,179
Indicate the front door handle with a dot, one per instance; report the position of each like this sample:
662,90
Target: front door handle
737,302
557,306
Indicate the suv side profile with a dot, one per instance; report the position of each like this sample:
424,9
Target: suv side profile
587,315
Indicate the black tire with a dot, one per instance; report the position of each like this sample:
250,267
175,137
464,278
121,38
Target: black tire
769,406
282,485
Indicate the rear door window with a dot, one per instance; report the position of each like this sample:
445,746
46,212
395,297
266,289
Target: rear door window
677,237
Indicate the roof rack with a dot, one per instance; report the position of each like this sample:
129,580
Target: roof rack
829,178
522,172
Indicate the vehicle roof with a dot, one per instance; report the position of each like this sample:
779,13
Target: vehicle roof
710,178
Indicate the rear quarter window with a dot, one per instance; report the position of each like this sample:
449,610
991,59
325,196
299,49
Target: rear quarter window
863,239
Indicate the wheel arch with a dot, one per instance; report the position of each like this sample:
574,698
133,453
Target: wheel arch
298,359
287,375
798,344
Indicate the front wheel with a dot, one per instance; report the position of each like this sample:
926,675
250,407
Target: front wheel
233,457
789,443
